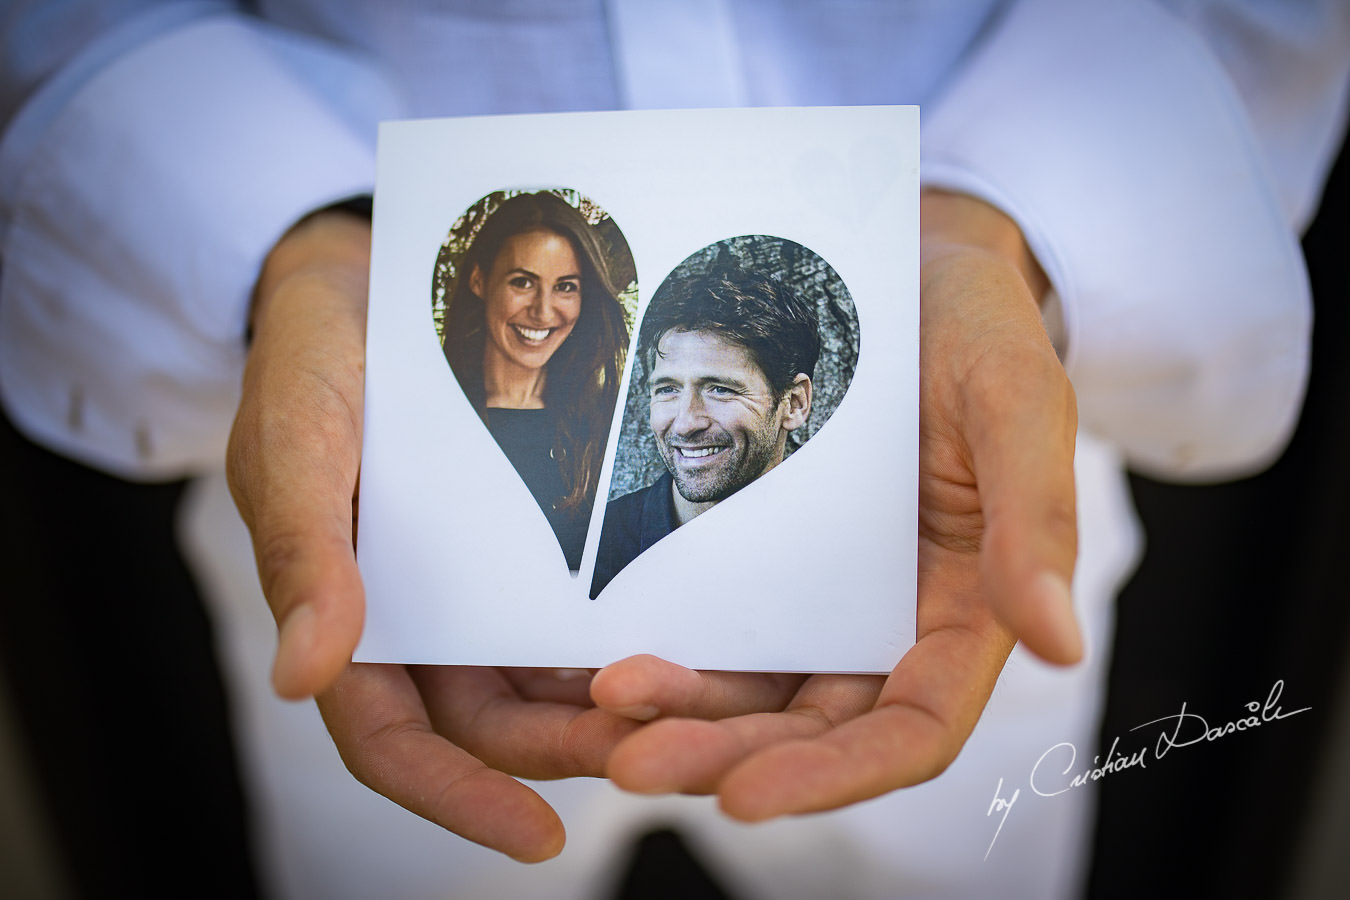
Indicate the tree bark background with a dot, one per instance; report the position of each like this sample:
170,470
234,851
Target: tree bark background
637,462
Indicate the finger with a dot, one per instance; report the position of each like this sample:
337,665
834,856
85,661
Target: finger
478,708
294,456
294,453
571,686
643,687
375,716
692,756
924,714
307,568
1022,443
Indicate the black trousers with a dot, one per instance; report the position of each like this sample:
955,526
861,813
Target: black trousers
108,657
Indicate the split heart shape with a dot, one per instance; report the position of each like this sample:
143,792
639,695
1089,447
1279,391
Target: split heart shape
742,354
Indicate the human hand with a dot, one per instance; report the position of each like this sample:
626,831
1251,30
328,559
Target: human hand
437,740
997,542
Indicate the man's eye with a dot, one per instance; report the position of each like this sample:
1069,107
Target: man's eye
664,390
720,390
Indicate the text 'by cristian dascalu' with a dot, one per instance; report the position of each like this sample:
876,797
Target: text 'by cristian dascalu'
1058,772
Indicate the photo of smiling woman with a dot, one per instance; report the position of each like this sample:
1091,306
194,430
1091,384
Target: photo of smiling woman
534,331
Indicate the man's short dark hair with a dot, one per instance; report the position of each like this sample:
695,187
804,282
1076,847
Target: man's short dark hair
780,330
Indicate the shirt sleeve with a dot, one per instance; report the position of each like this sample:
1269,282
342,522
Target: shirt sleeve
1146,156
141,186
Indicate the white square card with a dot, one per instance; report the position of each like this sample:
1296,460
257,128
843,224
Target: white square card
644,382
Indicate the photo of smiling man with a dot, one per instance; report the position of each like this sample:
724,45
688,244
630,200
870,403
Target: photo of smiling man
728,359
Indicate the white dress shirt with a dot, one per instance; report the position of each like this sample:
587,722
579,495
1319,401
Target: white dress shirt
1160,157
154,151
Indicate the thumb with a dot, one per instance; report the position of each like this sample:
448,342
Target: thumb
307,568
294,453
1022,455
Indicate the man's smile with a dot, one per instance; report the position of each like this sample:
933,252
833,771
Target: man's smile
699,452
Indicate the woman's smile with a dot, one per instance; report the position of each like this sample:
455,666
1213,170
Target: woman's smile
533,335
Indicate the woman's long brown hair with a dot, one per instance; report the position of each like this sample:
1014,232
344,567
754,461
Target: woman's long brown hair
583,375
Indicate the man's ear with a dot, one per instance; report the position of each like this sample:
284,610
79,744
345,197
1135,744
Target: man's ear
797,402
476,281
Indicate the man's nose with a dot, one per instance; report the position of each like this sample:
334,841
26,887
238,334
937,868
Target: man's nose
691,415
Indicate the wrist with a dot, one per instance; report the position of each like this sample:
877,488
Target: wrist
950,222
330,247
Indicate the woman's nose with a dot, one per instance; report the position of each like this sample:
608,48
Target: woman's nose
541,304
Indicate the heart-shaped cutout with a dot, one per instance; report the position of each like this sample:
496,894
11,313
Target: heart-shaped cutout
744,352
533,293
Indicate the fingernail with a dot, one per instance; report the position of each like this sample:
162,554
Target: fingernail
293,646
643,712
1063,625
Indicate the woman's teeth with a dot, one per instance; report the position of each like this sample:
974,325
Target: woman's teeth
532,334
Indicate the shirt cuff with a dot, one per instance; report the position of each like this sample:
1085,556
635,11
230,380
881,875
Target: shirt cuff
137,222
1114,139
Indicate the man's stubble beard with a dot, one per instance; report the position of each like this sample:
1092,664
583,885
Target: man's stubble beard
755,459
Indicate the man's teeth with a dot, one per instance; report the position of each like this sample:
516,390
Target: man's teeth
696,453
533,334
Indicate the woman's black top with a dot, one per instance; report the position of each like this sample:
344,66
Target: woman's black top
526,437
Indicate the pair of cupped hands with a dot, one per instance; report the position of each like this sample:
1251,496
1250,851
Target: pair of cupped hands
997,543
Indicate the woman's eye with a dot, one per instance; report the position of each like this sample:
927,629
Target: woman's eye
521,283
